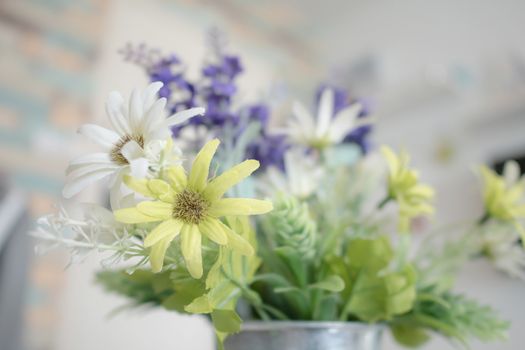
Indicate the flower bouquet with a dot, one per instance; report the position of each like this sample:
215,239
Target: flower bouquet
329,238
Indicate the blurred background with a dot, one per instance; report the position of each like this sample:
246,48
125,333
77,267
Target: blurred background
446,79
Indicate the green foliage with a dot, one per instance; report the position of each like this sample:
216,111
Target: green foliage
452,315
373,292
292,226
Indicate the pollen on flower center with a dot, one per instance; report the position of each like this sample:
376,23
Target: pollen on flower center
116,152
190,207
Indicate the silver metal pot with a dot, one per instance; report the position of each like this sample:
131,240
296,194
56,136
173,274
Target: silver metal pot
305,335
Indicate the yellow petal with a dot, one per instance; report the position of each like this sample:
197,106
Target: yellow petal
166,228
236,241
177,177
138,185
211,229
133,216
156,209
239,206
162,190
217,187
201,166
158,252
191,241
391,159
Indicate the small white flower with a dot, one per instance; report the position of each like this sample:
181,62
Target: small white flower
501,248
327,129
125,148
300,179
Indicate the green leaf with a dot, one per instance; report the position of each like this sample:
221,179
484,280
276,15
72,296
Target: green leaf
226,321
331,283
409,335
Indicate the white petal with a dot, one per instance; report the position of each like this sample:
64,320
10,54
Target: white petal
105,137
135,111
139,167
82,169
304,118
78,184
325,112
154,115
132,150
114,110
149,95
93,158
182,116
511,172
344,122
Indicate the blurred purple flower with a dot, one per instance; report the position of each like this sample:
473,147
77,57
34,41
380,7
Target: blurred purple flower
269,150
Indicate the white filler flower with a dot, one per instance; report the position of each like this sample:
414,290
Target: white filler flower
125,148
327,129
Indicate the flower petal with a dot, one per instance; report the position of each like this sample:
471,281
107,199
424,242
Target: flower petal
139,167
325,112
218,186
191,241
135,111
305,119
138,185
182,116
104,137
77,184
177,177
211,229
114,106
165,229
133,216
156,209
154,115
132,150
158,252
149,95
236,241
162,190
239,206
344,122
201,166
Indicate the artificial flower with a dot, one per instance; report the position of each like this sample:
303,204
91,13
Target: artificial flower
504,196
403,186
134,126
190,206
360,135
328,128
300,178
498,244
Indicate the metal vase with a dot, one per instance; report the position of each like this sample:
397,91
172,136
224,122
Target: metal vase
283,335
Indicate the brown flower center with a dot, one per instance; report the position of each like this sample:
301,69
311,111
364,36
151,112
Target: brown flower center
116,152
190,207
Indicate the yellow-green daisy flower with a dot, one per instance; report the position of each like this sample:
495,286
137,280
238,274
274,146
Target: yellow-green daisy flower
504,196
190,206
412,197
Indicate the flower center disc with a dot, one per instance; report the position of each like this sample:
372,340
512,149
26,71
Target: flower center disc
190,207
116,153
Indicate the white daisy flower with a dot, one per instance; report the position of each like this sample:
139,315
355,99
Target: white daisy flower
327,129
501,248
300,179
126,147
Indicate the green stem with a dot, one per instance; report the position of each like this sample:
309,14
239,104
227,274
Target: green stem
484,219
384,202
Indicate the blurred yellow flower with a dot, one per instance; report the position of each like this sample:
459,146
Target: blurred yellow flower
504,196
403,187
191,206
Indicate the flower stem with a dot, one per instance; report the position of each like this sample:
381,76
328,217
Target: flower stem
384,202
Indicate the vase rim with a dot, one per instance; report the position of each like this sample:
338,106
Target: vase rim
255,325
